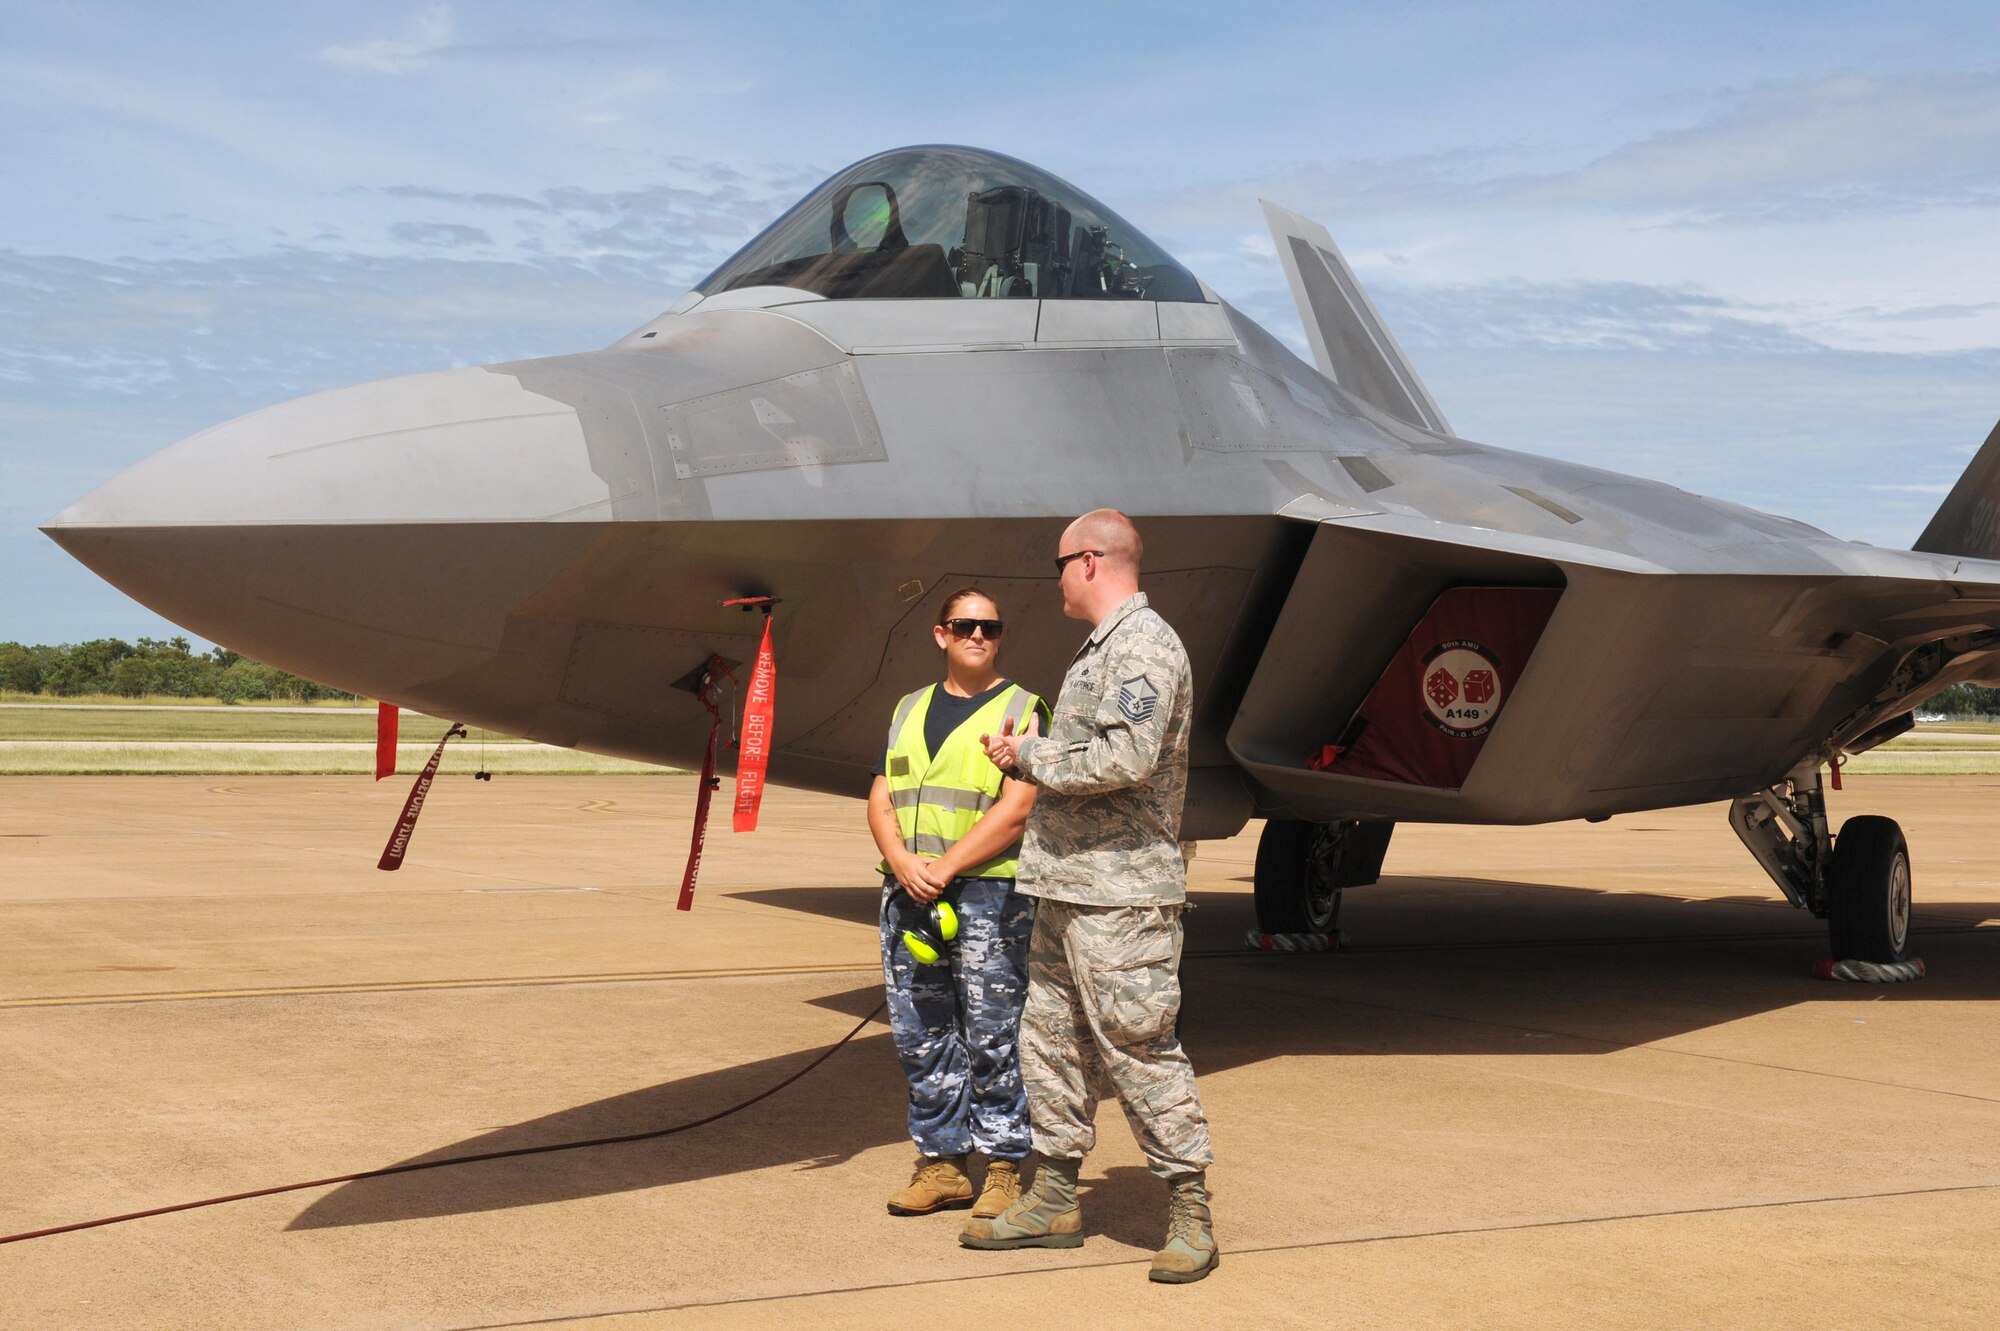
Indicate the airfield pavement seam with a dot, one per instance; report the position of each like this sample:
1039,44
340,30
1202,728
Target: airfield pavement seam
1364,1240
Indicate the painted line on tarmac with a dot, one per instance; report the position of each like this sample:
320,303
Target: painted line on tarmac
423,986
1309,1245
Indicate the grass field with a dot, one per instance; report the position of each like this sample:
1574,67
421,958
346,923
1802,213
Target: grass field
1889,760
190,725
133,736
165,700
56,759
124,735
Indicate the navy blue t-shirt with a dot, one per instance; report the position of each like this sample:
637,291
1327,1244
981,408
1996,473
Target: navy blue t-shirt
948,712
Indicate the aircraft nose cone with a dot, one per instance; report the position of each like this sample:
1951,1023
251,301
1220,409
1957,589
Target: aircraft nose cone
370,537
460,445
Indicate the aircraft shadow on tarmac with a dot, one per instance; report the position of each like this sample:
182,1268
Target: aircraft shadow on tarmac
1438,967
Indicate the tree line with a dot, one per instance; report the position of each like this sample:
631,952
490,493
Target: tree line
169,667
1964,700
154,667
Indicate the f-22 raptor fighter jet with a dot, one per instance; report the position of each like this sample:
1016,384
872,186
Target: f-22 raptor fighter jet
912,381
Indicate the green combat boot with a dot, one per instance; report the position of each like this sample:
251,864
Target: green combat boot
1046,1216
1190,1252
938,1185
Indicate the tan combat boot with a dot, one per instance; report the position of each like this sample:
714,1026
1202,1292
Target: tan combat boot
1047,1215
937,1185
1000,1191
1190,1252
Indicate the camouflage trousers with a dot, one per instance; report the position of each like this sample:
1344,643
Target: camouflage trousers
1103,992
957,1024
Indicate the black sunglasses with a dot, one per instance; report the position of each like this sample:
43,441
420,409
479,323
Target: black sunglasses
963,628
1063,561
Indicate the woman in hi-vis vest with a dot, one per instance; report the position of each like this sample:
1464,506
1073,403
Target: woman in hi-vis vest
954,930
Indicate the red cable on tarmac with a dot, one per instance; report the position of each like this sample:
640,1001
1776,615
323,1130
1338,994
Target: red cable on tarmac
453,1160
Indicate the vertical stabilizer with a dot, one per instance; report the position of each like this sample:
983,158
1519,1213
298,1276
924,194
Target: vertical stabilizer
1350,343
1968,522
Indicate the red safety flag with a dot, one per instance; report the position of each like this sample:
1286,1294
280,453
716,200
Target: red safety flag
399,840
386,716
754,750
711,680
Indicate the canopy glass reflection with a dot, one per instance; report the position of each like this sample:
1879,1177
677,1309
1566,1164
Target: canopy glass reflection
954,222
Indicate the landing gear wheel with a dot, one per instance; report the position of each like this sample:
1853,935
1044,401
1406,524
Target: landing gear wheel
1868,891
1295,886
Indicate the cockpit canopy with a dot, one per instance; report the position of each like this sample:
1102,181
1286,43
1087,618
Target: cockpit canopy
942,221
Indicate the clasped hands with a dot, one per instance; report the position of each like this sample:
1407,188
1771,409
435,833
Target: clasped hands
925,880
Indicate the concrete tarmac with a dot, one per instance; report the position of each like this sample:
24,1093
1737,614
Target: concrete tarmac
1564,1076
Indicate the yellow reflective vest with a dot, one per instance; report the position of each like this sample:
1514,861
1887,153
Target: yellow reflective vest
939,796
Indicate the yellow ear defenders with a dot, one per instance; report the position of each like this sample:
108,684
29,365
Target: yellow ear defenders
933,934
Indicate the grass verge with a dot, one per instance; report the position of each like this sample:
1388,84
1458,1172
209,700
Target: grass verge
240,725
1890,761
517,759
169,700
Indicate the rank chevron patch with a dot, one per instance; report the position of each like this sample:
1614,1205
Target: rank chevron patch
1136,699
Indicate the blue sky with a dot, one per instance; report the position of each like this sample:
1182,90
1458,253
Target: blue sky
1748,249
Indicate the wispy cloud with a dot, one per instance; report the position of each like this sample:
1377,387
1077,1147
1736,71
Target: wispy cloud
429,32
1459,320
685,224
439,235
1928,313
1816,148
238,332
476,200
1811,149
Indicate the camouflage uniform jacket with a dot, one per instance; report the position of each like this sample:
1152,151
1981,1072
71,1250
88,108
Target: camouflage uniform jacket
1112,771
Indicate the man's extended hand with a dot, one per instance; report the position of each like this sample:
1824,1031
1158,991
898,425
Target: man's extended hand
1004,749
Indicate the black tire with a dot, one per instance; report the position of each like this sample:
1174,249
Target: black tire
1294,888
1868,891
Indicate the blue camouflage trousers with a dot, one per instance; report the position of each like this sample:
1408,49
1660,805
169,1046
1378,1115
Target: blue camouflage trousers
957,1024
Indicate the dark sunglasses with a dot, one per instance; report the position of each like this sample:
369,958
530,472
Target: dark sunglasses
963,628
1063,561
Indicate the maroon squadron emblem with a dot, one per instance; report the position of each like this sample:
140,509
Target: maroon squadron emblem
1461,688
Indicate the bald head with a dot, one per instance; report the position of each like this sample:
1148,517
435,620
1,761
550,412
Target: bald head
1112,532
1094,587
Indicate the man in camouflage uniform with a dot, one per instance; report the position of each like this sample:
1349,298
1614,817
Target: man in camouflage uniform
1102,853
